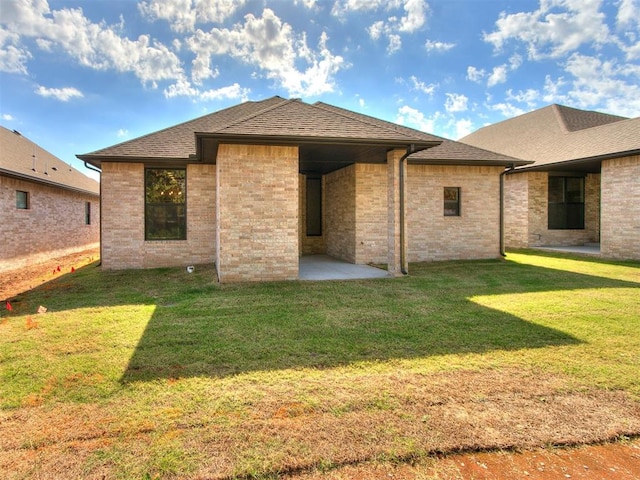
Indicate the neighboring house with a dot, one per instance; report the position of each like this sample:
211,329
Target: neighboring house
255,186
584,186
47,208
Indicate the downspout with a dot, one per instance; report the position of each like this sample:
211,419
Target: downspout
91,167
510,168
403,162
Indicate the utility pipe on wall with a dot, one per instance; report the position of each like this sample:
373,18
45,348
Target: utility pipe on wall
403,162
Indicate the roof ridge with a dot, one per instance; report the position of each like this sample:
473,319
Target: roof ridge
259,112
560,117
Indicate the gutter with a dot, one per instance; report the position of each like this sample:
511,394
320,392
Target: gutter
510,168
91,167
403,164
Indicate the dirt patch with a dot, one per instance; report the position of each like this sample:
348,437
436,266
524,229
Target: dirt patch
14,282
613,460
418,423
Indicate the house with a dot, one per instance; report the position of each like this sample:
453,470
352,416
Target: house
584,184
255,186
47,208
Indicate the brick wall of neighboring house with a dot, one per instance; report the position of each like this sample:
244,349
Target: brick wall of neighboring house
539,233
340,215
516,210
309,245
472,235
52,226
620,237
123,242
257,213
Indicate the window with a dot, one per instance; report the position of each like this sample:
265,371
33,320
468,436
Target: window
22,200
451,201
165,204
566,203
314,207
87,213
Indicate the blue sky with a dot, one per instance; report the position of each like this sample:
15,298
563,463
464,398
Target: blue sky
76,76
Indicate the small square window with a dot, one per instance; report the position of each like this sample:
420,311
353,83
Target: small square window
451,201
22,200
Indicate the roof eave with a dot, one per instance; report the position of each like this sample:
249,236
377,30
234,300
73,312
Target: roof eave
482,163
578,161
49,183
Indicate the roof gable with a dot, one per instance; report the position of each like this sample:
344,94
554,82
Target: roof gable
556,134
22,158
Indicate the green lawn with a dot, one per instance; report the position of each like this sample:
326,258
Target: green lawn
165,373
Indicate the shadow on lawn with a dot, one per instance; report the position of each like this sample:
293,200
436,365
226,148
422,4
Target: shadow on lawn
207,329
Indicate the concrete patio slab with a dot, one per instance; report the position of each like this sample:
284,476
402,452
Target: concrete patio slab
324,267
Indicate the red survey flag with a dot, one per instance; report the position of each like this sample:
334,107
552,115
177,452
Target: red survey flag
73,269
9,307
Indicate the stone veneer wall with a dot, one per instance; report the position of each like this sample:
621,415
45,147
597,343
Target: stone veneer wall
257,213
340,213
53,225
472,235
314,245
620,236
123,243
539,234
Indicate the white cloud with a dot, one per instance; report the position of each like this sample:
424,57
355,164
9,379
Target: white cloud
456,102
423,87
7,117
557,28
407,16
606,84
62,94
94,45
273,47
433,46
122,133
507,109
498,75
13,58
184,15
628,13
475,75
529,96
463,127
182,88
415,119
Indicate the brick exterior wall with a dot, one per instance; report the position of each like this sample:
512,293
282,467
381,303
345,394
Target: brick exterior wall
516,210
527,207
257,213
123,243
372,236
621,208
52,226
340,215
474,234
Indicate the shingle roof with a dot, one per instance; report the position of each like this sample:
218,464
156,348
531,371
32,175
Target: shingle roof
276,117
22,158
449,151
557,134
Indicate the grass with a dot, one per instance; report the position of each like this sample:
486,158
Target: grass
161,373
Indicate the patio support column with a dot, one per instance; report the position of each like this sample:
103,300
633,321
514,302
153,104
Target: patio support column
394,217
